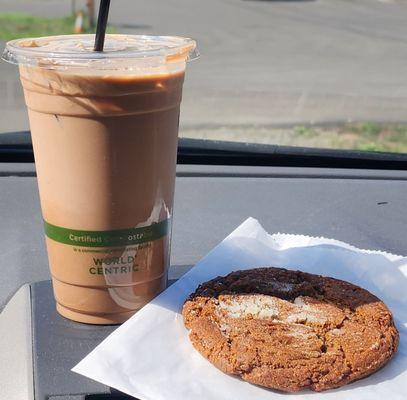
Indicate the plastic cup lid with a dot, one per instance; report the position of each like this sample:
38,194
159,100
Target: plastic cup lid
119,50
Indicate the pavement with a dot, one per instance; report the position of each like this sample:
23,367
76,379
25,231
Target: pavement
263,63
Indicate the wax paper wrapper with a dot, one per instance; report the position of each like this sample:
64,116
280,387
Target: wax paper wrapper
150,356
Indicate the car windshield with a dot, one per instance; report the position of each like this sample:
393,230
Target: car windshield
314,74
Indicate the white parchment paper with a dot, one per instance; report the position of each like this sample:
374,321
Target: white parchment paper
150,356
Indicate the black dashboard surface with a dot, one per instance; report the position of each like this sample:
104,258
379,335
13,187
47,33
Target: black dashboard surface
361,207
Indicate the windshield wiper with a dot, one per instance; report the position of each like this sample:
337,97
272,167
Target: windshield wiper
196,151
17,147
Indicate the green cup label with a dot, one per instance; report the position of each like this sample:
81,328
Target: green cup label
115,238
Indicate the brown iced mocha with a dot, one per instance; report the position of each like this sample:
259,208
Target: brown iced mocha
290,330
105,148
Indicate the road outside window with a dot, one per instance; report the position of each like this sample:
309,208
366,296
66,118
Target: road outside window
322,73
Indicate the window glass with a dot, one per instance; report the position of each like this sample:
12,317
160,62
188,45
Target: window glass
326,74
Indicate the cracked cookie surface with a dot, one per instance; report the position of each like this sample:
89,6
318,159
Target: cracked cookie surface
290,330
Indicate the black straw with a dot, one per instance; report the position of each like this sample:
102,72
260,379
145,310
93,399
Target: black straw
101,27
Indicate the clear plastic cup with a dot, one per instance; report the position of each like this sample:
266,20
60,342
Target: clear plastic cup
104,128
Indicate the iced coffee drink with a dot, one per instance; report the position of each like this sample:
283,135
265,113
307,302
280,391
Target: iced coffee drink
104,129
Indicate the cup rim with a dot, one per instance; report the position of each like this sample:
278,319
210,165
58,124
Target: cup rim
169,48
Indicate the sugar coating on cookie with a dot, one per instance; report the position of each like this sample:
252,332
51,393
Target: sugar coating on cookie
290,330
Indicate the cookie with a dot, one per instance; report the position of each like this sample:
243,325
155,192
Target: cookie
290,330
